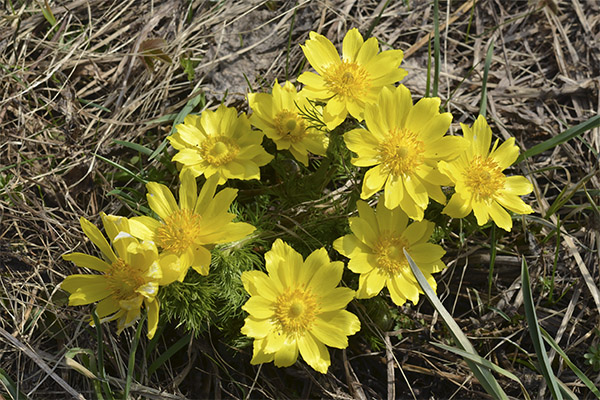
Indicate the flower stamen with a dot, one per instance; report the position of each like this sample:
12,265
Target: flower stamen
295,311
179,231
122,280
290,125
347,80
401,152
389,255
218,150
484,178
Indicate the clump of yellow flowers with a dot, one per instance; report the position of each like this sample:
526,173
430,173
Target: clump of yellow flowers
297,306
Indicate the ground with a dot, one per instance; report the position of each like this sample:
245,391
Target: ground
81,79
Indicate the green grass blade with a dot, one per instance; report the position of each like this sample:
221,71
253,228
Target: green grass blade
376,21
485,363
586,381
483,375
169,353
486,70
131,363
101,370
567,135
134,146
536,336
11,386
189,107
122,168
436,46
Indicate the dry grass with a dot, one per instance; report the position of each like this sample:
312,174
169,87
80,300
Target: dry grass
68,91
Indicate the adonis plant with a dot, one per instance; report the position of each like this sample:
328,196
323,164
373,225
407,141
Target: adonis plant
300,293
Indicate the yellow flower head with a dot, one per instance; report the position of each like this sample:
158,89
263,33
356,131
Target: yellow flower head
375,249
220,143
404,143
481,185
277,115
352,82
129,275
185,229
297,307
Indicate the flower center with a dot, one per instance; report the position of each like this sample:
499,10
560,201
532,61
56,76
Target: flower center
179,231
295,311
219,150
389,255
122,280
401,152
484,177
347,80
290,126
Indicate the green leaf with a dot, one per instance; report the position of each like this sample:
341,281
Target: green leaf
536,337
483,375
134,146
485,363
567,135
486,69
586,381
11,386
169,353
122,168
189,107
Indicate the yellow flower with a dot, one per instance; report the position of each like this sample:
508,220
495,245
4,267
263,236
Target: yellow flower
185,229
220,143
480,184
375,252
129,278
297,307
352,82
404,144
277,116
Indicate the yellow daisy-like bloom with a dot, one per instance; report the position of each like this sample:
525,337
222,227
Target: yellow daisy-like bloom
185,229
129,275
220,143
297,307
277,115
375,252
404,143
480,184
349,83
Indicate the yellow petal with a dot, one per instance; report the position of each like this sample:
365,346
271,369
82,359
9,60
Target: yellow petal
349,246
363,231
500,216
161,200
152,308
457,207
92,232
258,283
417,191
314,353
336,299
187,190
481,211
316,260
514,203
259,356
326,278
259,307
256,327
374,180
406,288
143,227
417,231
86,261
393,194
391,220
172,269
518,185
351,45
397,296
423,110
201,260
286,355
506,154
426,252
374,281
362,263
